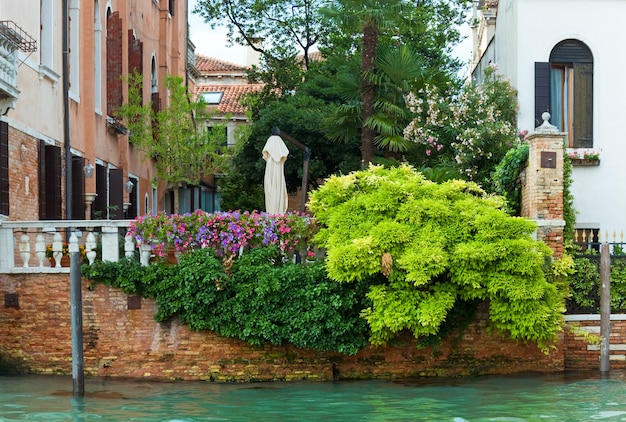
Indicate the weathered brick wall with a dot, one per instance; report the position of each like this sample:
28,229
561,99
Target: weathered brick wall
23,183
581,346
129,343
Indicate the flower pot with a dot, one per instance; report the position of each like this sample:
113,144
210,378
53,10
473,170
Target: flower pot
65,261
583,162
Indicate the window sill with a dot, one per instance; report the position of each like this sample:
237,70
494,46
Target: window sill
580,162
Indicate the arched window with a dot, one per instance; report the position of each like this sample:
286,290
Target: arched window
153,77
564,87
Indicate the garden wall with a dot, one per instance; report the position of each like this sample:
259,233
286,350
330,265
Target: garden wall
35,336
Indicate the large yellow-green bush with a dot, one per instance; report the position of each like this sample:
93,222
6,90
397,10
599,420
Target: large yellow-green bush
425,248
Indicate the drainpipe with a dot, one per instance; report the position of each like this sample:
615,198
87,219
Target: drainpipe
66,113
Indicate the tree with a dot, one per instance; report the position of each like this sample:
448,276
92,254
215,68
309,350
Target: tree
426,249
299,115
276,29
399,70
182,151
389,23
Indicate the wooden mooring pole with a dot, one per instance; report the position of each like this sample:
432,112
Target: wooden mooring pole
605,307
76,310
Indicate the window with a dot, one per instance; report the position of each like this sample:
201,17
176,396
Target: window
213,98
109,204
47,47
74,50
564,87
97,53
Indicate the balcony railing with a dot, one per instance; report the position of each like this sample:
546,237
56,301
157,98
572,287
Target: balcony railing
27,246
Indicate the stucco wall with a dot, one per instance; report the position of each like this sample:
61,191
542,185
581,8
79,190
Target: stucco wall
128,343
526,32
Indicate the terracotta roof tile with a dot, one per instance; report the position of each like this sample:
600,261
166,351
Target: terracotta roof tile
206,64
231,99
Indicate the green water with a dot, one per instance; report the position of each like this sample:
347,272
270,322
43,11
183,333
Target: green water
585,397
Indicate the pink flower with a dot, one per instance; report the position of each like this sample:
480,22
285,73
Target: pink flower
428,152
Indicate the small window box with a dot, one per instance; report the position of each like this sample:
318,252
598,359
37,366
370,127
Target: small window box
585,162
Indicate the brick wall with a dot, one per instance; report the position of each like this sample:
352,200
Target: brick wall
23,171
128,343
583,353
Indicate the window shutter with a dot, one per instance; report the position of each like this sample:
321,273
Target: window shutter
542,90
4,168
42,177
114,63
583,105
78,188
135,54
99,206
50,170
116,194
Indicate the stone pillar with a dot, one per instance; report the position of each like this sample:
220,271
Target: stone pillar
542,187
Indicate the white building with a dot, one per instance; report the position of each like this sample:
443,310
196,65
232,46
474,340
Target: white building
563,56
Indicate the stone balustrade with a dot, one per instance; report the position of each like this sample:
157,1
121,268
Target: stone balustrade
25,245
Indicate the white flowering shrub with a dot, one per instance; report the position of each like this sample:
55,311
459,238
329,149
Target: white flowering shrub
473,128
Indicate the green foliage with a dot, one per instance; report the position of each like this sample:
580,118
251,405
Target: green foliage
300,116
569,212
584,285
473,128
181,149
507,177
260,298
435,245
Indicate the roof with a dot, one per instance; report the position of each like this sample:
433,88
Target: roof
231,99
206,64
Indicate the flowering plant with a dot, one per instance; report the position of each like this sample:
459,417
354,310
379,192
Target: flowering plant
65,250
227,233
584,155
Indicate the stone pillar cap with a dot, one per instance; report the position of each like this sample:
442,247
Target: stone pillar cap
546,126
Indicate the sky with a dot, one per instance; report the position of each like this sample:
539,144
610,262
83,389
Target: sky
212,43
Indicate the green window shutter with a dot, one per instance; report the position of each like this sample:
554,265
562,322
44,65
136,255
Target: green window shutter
542,90
583,106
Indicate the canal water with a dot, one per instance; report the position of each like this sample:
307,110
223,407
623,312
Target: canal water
531,397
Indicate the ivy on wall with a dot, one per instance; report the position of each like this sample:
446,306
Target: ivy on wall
257,297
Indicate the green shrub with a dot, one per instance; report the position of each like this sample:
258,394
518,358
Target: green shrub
584,285
259,298
422,247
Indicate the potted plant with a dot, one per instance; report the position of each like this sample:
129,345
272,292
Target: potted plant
65,258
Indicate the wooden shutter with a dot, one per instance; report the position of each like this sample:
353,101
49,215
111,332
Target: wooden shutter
116,194
50,171
135,54
78,188
542,90
99,206
583,106
4,168
114,63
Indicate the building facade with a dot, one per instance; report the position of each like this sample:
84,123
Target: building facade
64,153
560,57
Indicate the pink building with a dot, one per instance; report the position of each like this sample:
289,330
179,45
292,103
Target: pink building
63,154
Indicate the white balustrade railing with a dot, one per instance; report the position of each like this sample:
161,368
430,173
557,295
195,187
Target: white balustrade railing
26,246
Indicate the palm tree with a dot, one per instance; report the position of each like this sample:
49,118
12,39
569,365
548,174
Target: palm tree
398,71
371,17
